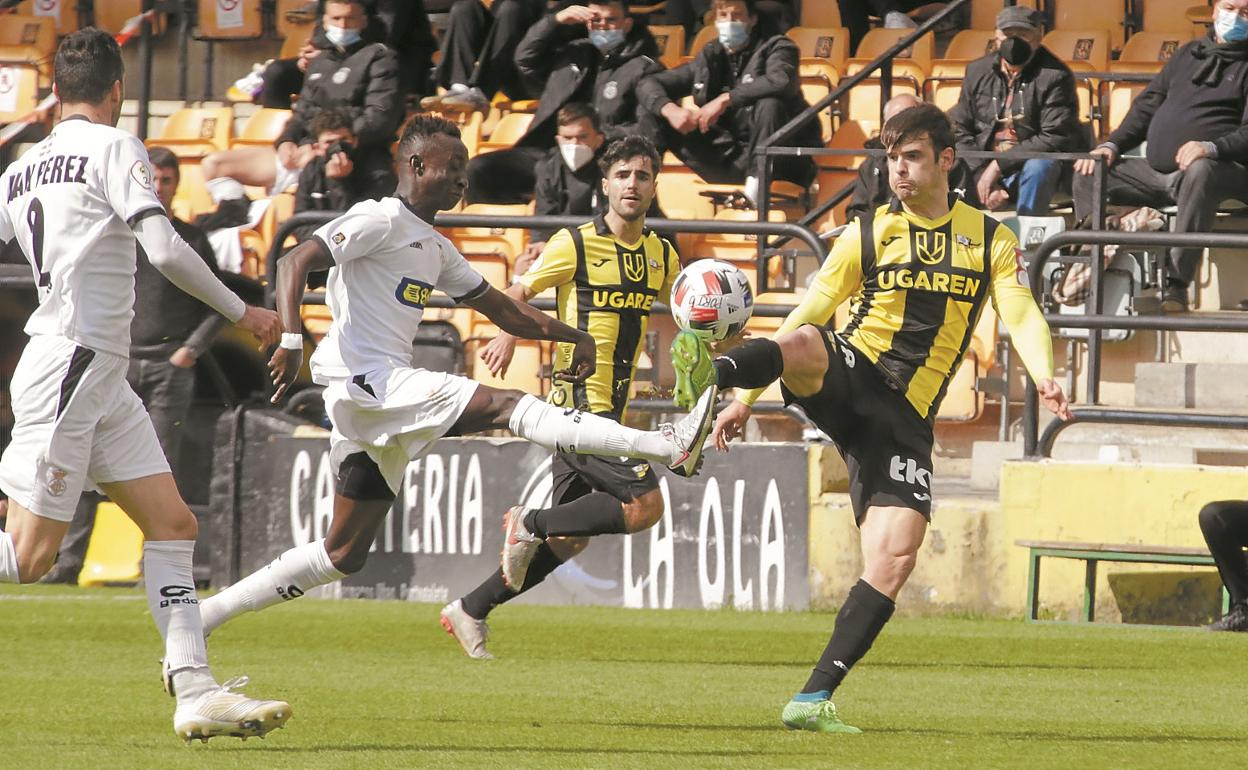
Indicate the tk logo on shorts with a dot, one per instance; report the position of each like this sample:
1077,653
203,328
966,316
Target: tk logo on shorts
413,293
907,471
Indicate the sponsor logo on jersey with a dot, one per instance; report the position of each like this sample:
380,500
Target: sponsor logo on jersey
413,293
928,280
176,594
623,300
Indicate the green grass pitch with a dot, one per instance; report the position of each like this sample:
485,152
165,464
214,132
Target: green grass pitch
379,684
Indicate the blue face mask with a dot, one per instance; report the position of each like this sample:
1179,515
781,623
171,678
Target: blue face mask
606,40
1231,27
733,35
342,36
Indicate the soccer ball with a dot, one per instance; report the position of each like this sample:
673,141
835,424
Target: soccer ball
712,299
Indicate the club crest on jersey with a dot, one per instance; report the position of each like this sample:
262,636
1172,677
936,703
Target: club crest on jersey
338,238
635,266
141,174
413,293
929,246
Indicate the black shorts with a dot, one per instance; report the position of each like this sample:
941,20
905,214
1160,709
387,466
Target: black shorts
887,446
578,475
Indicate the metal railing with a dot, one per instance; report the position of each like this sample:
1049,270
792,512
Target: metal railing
1036,446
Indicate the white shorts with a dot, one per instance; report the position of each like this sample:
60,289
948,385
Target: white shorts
76,421
283,178
394,416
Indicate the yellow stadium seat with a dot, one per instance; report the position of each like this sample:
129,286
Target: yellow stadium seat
1087,48
1106,15
192,197
316,320
679,193
1148,51
115,552
285,26
255,254
817,81
193,132
984,12
281,207
515,238
29,40
970,44
828,44
229,21
963,402
850,135
671,41
1116,100
525,371
1167,16
262,128
19,91
910,69
704,36
489,257
65,14
113,15
821,13
508,129
944,83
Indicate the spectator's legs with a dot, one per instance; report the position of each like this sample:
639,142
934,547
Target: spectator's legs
1034,186
1199,191
1225,527
166,391
281,78
760,121
466,28
855,15
1131,181
496,67
505,176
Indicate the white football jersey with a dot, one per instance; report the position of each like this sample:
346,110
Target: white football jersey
70,202
387,262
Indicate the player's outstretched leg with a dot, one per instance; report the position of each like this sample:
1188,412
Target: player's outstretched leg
204,708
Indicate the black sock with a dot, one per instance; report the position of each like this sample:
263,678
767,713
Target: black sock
863,614
597,513
752,364
493,591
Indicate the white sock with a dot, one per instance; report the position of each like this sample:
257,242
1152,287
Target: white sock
8,560
287,577
224,188
171,598
568,430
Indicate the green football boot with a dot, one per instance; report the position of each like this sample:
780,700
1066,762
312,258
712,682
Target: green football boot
691,358
818,716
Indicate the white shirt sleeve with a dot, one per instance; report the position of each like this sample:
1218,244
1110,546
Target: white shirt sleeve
458,278
357,233
127,179
7,233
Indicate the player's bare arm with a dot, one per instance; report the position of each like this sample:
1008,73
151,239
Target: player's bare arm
292,276
526,321
497,352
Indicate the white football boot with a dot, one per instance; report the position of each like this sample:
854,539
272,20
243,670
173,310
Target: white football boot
471,633
519,547
222,712
689,433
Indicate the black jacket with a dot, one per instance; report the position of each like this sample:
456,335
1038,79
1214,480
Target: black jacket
560,190
766,67
871,188
558,61
1180,105
1045,108
364,79
165,317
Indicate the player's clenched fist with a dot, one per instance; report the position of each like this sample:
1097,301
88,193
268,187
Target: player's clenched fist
263,323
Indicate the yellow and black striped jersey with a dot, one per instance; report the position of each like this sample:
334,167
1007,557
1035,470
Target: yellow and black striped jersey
916,289
604,287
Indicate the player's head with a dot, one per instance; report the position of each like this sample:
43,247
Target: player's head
88,69
432,163
165,173
629,167
919,142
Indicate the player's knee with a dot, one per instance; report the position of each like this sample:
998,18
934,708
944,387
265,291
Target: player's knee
347,558
210,166
34,563
1210,518
643,513
503,403
567,547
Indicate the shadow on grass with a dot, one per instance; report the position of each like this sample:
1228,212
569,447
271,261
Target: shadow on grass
990,665
1065,737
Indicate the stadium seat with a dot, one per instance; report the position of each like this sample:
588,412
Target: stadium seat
192,197
262,128
944,83
281,207
285,27
1148,51
115,551
508,129
65,14
515,238
1085,48
825,44
1166,16
489,256
851,135
229,21
817,81
704,36
30,41
820,13
316,320
19,91
525,371
1107,15
964,401
671,41
984,12
910,70
113,15
193,132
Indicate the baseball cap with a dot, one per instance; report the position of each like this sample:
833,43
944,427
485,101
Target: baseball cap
1018,17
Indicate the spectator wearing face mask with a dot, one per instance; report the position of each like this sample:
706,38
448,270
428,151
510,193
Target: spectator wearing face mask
1018,98
745,86
592,53
1194,116
330,181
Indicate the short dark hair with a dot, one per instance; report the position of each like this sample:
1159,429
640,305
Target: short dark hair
332,119
631,146
751,6
422,126
574,111
87,64
163,157
915,123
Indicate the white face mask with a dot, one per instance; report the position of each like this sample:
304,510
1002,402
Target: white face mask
733,35
342,36
576,155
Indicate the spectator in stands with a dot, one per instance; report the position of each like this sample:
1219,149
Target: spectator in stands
479,52
856,15
1020,98
1193,117
1225,527
690,13
170,331
330,182
591,53
353,74
745,86
871,189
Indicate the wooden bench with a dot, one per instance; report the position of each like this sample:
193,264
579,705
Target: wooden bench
1092,553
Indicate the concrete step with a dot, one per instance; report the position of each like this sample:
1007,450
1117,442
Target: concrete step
1208,347
987,457
1182,385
